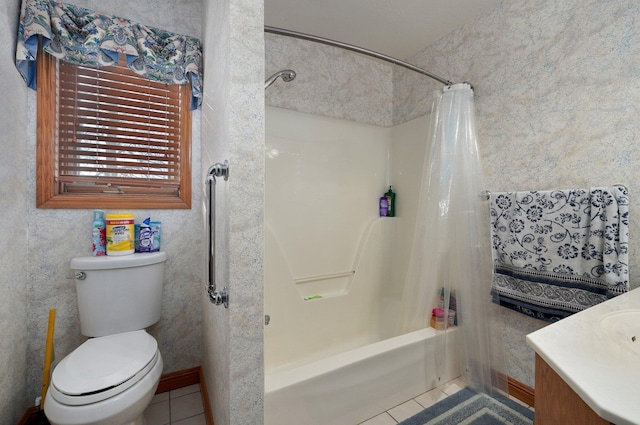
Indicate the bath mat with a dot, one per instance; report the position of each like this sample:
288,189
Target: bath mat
471,408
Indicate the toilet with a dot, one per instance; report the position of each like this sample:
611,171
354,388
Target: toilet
111,378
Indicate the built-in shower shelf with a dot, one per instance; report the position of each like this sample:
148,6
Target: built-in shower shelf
324,285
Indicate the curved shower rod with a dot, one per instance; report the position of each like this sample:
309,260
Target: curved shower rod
362,50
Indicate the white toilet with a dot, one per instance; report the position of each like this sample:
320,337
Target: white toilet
111,378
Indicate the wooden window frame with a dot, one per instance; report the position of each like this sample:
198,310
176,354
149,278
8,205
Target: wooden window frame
47,195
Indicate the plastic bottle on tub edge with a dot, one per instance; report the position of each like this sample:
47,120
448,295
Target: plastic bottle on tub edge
99,234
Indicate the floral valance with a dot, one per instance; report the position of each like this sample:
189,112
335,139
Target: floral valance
84,37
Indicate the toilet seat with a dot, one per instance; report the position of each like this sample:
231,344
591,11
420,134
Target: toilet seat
103,367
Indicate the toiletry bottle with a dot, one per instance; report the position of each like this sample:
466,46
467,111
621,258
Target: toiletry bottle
440,319
156,228
99,234
145,236
453,306
391,198
451,318
383,204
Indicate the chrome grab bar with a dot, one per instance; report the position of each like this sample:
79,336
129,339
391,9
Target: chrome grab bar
216,170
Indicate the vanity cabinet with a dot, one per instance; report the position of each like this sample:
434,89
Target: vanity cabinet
556,403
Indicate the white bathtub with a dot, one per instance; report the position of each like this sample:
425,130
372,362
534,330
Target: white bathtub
351,387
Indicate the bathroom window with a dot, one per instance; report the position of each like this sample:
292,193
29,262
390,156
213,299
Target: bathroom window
109,138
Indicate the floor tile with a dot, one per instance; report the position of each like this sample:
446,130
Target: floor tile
193,420
453,387
158,413
160,397
382,419
179,392
186,406
405,410
430,398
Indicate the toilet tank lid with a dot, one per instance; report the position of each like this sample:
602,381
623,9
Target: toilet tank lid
117,262
105,362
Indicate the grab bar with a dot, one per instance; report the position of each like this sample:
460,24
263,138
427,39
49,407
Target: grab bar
215,296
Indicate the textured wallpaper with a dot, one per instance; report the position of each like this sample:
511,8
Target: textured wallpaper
13,233
233,130
330,81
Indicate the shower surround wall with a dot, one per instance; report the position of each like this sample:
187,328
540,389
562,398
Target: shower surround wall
41,274
14,183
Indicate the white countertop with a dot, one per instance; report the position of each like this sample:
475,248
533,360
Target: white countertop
603,372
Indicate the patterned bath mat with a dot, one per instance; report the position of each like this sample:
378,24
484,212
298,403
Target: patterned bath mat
466,407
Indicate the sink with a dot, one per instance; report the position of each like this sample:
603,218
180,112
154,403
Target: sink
623,327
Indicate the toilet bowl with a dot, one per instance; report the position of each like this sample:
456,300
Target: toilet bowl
108,380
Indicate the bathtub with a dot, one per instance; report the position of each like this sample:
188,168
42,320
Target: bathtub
353,386
338,360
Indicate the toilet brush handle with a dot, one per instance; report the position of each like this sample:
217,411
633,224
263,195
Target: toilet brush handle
48,356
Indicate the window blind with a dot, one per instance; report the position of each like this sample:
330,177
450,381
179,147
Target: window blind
117,132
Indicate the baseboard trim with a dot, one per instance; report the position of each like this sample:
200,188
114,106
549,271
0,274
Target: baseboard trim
29,416
521,391
179,379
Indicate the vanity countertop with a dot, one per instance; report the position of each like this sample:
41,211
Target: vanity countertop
601,366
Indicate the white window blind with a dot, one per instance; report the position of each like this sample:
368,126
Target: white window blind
117,132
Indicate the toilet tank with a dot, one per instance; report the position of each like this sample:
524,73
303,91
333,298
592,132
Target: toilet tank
119,293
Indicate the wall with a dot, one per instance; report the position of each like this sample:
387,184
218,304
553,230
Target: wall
55,236
556,89
330,81
13,233
233,129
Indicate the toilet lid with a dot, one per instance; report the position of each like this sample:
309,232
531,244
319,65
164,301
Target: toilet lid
104,362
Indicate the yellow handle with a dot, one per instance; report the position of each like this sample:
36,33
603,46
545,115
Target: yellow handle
48,356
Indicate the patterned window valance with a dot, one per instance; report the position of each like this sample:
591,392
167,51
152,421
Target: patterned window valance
81,36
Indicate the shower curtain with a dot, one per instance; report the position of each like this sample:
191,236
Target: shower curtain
451,266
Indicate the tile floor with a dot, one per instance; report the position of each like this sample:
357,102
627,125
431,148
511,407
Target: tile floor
409,408
182,406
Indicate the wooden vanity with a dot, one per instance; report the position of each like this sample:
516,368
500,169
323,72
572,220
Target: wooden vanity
588,366
557,403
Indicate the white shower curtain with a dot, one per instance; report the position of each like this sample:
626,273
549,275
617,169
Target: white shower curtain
451,249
